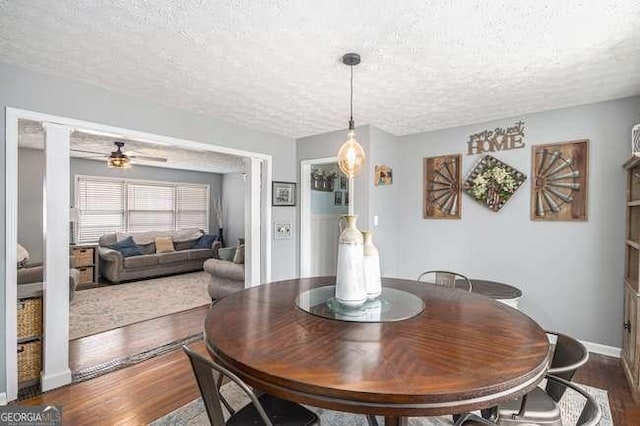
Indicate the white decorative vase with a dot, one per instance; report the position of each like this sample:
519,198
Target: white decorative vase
350,289
371,267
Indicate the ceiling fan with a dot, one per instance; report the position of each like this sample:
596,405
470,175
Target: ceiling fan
121,160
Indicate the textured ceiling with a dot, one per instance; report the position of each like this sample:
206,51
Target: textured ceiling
31,135
274,65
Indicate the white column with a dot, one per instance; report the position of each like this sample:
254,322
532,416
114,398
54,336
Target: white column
55,371
265,222
252,231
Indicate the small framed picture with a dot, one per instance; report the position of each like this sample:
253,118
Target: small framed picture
283,194
337,198
282,231
343,182
383,175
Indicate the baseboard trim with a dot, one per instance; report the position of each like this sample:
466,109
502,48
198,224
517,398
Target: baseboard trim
603,349
55,380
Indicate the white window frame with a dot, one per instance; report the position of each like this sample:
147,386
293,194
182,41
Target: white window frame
125,211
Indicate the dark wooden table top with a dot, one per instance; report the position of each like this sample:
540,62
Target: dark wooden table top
492,289
463,352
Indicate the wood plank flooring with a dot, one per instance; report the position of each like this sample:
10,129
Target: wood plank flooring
146,391
135,338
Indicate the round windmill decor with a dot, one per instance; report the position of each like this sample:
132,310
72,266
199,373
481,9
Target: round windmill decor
493,182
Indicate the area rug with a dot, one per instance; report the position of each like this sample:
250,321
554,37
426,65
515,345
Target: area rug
194,414
105,308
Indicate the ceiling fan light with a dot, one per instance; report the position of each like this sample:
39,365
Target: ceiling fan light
119,162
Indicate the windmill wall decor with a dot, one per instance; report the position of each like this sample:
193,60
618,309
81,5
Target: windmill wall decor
442,187
559,189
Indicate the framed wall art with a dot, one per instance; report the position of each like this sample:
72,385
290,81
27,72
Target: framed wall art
383,175
559,191
441,187
282,231
283,194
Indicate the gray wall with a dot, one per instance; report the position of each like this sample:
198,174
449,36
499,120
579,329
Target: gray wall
571,273
233,194
25,89
30,175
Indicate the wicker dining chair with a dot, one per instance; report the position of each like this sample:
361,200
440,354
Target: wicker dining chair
589,416
263,410
445,278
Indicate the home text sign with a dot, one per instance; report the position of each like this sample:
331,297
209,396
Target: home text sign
499,139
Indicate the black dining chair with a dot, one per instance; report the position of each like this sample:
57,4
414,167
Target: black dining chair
263,410
541,404
589,416
445,278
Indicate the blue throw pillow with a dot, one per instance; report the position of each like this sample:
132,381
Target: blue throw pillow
127,247
205,241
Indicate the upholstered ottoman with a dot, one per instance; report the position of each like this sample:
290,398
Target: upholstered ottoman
227,277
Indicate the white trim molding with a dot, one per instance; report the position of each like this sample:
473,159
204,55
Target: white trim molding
11,235
598,348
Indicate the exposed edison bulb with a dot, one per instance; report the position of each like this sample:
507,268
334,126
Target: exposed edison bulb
351,156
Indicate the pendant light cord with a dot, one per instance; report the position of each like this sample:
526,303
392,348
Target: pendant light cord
351,123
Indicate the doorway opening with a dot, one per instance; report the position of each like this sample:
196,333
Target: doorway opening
324,199
64,221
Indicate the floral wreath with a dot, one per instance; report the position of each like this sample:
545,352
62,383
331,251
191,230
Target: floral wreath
493,182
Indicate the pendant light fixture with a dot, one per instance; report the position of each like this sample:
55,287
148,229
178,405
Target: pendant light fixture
351,157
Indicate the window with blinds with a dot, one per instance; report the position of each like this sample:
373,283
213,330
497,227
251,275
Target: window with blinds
109,205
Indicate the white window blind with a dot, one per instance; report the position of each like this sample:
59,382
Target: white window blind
101,208
119,205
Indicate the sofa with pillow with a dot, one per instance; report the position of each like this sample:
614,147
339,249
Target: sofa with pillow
227,271
29,273
139,255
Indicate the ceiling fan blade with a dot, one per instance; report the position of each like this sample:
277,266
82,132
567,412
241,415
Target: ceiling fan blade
148,158
88,152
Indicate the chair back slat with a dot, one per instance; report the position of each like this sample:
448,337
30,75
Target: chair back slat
207,374
445,278
591,412
207,379
568,356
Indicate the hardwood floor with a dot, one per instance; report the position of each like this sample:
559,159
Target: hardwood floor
141,393
135,338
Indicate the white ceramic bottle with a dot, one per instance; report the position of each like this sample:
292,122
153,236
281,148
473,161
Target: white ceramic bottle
350,289
371,267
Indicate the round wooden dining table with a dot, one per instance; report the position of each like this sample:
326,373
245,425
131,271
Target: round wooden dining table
462,352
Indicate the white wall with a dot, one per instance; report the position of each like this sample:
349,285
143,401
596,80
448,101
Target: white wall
233,191
25,89
570,272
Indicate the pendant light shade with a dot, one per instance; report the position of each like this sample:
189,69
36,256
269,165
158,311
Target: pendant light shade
351,155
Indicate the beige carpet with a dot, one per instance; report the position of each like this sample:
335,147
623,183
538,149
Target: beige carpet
105,308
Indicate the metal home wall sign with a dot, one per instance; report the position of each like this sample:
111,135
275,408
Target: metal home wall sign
498,139
559,191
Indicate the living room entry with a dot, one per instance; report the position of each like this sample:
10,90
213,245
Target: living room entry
151,226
